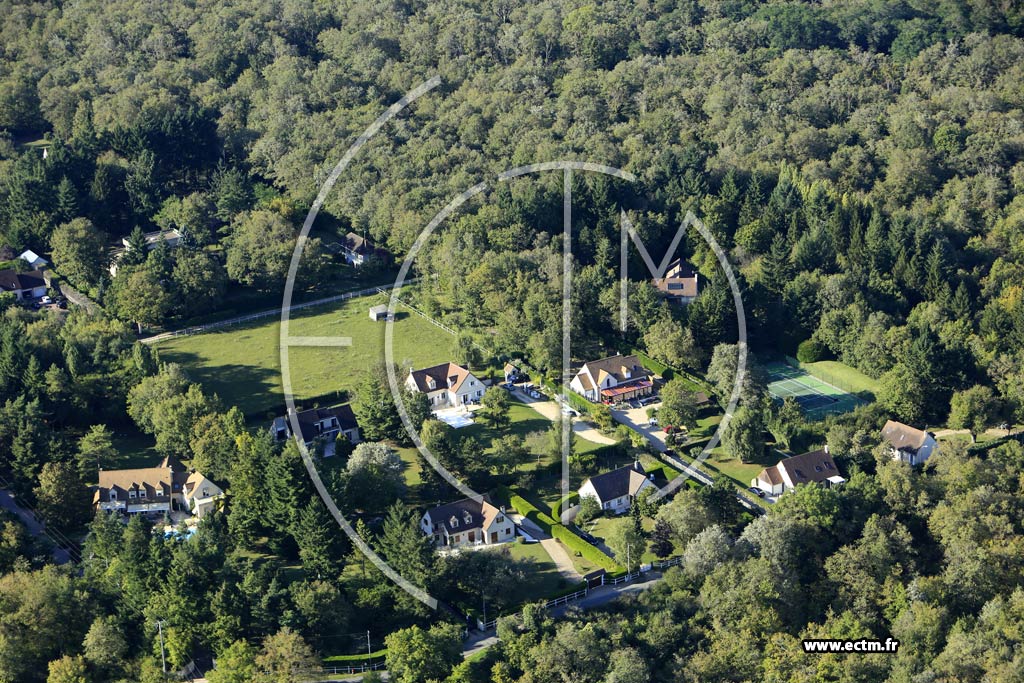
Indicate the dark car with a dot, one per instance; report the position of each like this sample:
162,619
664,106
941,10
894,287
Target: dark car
756,491
585,536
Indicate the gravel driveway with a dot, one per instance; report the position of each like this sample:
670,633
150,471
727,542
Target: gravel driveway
552,411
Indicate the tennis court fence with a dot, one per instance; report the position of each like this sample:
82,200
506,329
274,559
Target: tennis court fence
822,374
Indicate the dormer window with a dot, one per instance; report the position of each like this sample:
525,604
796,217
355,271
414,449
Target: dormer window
454,522
113,494
467,517
131,493
142,493
431,384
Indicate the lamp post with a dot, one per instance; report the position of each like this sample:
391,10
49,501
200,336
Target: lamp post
163,656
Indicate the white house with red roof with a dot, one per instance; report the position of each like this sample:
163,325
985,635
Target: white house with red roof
815,467
446,385
468,522
613,379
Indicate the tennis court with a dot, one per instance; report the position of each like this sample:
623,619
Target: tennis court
816,397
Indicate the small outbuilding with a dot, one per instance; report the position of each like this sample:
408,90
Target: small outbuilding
378,313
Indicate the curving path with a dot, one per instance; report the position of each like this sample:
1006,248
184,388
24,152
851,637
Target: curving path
552,411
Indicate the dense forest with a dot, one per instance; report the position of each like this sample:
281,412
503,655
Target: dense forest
861,161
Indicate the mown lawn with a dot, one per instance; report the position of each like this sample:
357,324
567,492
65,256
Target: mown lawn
242,364
135,450
842,376
601,528
542,576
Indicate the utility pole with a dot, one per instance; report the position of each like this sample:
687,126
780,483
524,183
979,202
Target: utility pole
163,657
485,609
368,641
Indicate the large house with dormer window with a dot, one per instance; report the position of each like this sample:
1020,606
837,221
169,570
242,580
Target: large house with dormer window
468,522
168,487
908,444
447,385
613,380
815,467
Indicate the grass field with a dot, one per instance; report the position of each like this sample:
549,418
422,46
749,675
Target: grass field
843,376
134,450
242,364
601,528
542,576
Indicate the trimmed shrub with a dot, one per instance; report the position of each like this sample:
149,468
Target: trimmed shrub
588,552
811,350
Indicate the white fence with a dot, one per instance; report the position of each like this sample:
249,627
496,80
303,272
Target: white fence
196,329
360,668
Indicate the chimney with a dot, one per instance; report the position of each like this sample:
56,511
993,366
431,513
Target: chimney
502,509
636,464
826,449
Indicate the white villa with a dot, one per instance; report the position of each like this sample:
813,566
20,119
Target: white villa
815,467
616,490
168,487
447,385
468,522
912,446
613,379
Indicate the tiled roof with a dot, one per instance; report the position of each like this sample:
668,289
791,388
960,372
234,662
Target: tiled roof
309,420
441,375
815,466
464,515
616,366
903,437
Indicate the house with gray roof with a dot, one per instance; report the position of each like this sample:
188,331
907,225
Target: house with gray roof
616,490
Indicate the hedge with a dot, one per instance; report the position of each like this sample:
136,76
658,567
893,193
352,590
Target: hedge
558,530
589,552
668,372
528,509
355,658
568,501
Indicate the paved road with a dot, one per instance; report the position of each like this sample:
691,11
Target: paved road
636,419
596,598
34,526
552,411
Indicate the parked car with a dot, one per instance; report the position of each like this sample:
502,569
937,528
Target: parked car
757,492
534,393
45,300
634,403
585,536
566,410
653,422
648,400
